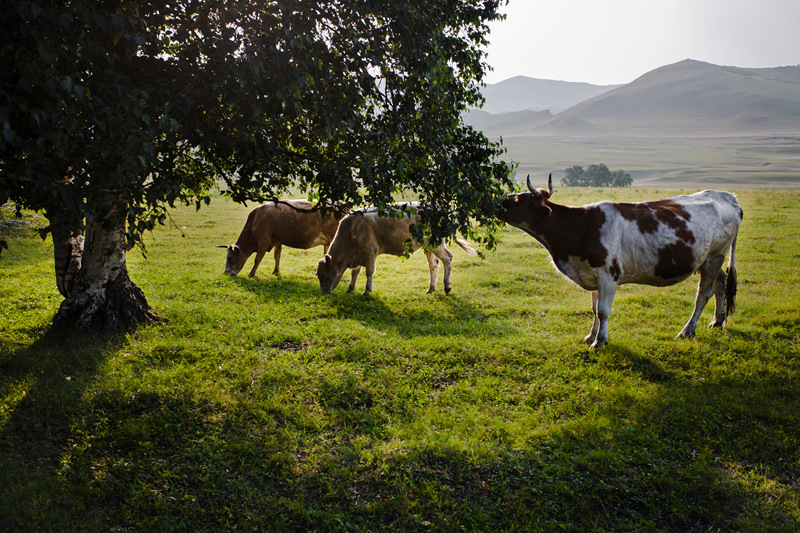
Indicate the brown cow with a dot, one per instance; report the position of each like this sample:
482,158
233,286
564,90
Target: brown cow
294,223
603,245
365,234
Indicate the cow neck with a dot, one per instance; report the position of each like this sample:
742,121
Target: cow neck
572,231
247,242
341,248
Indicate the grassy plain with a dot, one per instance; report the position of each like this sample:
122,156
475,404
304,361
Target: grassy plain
264,405
721,162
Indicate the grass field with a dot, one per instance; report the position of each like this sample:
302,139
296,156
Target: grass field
264,405
722,162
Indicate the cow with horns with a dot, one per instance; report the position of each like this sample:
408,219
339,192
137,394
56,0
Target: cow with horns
603,245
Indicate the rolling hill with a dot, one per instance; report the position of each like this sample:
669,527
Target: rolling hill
521,93
690,97
509,123
690,124
696,97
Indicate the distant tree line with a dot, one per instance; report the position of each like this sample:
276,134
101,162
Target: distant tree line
595,176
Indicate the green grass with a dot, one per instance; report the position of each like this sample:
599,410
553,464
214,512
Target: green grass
264,405
680,161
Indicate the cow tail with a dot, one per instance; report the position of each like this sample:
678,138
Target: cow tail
730,283
464,245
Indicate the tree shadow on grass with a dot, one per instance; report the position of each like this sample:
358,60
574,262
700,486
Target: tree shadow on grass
275,287
42,385
448,315
375,311
133,459
693,456
129,459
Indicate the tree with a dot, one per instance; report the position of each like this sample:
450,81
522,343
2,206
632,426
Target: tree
574,177
113,111
595,176
598,175
620,178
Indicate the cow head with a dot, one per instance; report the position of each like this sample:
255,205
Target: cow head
234,260
524,210
329,274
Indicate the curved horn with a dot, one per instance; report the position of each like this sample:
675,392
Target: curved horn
531,188
550,184
535,192
223,246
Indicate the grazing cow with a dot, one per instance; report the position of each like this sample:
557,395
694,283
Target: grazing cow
364,235
293,223
603,245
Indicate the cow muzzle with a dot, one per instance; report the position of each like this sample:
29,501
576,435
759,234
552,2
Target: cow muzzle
327,275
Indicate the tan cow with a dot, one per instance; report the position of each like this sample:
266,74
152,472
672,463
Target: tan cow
293,223
364,235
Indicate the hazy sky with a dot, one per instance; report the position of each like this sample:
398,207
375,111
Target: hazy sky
616,41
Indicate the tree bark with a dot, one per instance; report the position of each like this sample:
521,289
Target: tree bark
102,296
68,252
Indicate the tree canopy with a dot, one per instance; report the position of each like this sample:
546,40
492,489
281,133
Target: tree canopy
595,176
113,111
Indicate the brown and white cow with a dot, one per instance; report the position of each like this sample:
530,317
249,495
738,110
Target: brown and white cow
293,223
600,246
364,235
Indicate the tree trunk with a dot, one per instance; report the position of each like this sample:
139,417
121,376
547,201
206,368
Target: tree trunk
68,252
102,296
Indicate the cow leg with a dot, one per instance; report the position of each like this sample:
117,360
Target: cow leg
257,261
705,288
278,250
433,269
719,300
370,272
605,297
590,338
447,261
353,277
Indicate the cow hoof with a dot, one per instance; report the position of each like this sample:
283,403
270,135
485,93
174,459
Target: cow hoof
685,335
350,290
598,344
447,290
588,339
715,324
429,291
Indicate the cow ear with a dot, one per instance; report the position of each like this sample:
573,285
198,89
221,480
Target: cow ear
542,211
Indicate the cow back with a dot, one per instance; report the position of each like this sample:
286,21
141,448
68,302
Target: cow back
296,225
664,241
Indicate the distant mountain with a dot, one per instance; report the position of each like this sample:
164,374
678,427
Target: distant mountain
530,94
686,98
691,97
509,123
